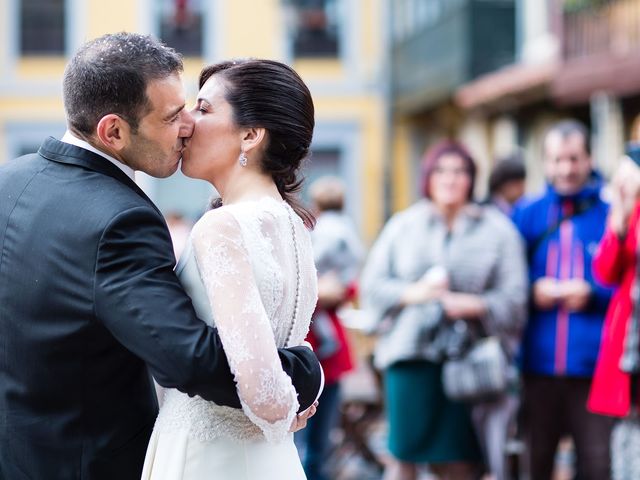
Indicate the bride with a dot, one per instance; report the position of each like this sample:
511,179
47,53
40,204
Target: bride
252,263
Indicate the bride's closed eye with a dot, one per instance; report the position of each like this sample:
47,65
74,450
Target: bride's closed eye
202,107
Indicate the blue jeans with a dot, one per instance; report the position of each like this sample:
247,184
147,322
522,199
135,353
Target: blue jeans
314,439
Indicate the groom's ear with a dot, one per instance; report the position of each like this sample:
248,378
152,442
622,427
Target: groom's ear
113,132
253,138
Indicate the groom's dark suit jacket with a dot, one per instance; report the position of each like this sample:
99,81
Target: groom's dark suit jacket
89,306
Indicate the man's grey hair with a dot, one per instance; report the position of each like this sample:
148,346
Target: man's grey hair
567,128
110,75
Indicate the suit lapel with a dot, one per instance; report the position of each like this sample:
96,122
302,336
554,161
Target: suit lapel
68,154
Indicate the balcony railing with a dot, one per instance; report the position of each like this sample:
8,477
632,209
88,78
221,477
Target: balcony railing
437,51
601,27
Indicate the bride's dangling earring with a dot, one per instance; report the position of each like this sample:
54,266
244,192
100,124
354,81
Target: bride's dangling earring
242,159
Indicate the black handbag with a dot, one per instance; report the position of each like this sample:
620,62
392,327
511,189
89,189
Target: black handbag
480,373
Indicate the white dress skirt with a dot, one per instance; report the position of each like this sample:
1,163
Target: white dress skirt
174,456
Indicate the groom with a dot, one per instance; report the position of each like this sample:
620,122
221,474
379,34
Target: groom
89,302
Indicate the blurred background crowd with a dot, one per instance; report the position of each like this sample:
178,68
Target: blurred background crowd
474,178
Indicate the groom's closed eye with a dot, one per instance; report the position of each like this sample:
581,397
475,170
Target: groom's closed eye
174,115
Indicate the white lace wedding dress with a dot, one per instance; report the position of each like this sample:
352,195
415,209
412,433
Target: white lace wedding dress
249,267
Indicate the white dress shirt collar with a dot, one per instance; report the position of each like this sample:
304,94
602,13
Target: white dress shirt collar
73,140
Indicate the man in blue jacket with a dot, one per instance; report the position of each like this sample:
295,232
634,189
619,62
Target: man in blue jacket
562,228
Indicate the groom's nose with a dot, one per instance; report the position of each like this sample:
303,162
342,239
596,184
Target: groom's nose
187,124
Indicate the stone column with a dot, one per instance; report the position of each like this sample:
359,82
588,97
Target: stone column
607,132
504,139
474,134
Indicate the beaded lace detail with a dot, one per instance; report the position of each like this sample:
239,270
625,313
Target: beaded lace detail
256,263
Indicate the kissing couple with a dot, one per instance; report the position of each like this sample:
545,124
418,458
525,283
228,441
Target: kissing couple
91,306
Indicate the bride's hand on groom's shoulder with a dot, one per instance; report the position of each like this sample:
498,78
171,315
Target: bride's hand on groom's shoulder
300,420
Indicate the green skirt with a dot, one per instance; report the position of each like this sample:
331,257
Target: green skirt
424,425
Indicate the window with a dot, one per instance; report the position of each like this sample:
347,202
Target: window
414,16
26,137
324,161
42,27
315,28
181,24
179,193
26,149
336,150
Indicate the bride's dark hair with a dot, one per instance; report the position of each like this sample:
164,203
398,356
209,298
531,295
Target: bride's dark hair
271,95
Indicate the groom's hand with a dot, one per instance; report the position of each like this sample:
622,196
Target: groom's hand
300,420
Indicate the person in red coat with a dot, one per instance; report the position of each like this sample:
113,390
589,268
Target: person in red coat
615,264
338,254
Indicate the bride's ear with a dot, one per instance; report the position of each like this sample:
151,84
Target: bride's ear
253,138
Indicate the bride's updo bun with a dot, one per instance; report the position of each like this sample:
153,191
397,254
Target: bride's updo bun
271,95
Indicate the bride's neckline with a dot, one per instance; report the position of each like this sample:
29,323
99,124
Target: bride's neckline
257,199
257,202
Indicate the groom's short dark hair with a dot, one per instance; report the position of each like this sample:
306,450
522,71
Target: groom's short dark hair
110,75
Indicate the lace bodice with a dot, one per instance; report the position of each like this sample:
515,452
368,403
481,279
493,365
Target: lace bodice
255,262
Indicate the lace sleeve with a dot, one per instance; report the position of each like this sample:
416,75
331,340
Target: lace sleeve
266,392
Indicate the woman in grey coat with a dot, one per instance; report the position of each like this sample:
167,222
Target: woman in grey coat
443,259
